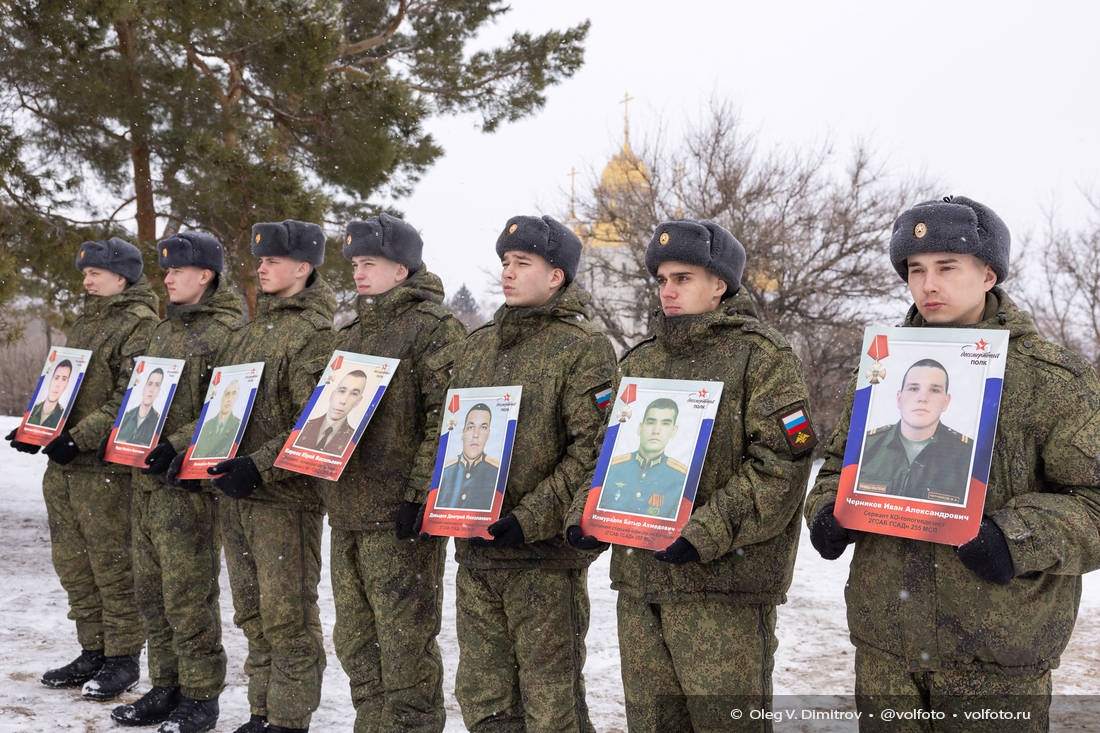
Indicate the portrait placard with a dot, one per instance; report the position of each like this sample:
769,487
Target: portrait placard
471,464
336,415
649,466
144,407
224,416
921,435
53,395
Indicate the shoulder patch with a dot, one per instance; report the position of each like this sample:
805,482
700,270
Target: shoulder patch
1053,354
766,332
492,461
621,458
880,429
794,422
602,395
450,463
675,464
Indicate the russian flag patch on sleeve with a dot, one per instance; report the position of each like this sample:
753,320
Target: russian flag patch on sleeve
602,397
795,424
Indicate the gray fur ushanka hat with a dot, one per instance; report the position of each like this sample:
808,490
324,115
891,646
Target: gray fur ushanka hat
114,254
298,240
951,224
190,249
701,243
546,237
384,236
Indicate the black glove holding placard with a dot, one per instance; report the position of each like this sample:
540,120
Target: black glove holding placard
62,449
20,445
827,535
578,539
239,477
506,532
160,458
678,553
987,555
409,516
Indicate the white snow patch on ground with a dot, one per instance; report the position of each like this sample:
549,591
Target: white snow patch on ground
814,657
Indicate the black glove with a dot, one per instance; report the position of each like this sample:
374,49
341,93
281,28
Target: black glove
62,449
827,536
409,516
678,553
579,539
506,532
171,476
987,554
101,451
19,445
239,478
160,458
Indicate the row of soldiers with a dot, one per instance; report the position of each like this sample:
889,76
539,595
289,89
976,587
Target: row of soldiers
696,620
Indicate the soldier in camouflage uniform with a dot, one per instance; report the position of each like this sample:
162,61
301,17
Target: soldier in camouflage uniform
388,586
271,519
176,549
522,597
697,619
88,504
933,624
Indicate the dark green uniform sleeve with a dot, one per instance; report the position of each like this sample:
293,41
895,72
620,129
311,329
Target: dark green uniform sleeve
542,511
95,426
827,483
766,490
433,374
1057,530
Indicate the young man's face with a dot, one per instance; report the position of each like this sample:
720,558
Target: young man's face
475,433
923,398
950,288
688,289
185,285
151,389
102,282
657,428
229,398
59,382
281,276
528,279
348,394
376,275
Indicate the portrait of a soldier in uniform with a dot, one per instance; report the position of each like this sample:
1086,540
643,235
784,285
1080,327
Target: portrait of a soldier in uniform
331,432
647,481
139,424
219,432
48,412
918,457
470,478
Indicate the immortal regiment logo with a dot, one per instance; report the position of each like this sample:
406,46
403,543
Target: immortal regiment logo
920,441
336,414
652,456
471,466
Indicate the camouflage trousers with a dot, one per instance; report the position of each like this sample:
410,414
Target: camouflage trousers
521,649
177,558
389,607
948,699
686,665
273,553
89,518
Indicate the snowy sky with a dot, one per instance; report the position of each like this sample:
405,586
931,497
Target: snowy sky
995,100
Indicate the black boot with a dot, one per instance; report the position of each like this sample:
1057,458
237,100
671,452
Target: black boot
116,676
192,716
153,707
76,672
255,724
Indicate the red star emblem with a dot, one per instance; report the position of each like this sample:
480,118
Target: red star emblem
982,345
507,397
702,393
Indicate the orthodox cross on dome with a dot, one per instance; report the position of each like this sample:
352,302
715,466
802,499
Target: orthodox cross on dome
625,102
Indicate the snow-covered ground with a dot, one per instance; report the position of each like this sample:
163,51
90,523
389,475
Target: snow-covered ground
814,657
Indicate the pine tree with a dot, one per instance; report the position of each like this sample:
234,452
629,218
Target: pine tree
215,114
465,307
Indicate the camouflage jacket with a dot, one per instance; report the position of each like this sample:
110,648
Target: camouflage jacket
745,519
395,456
199,334
117,329
916,602
289,335
562,361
